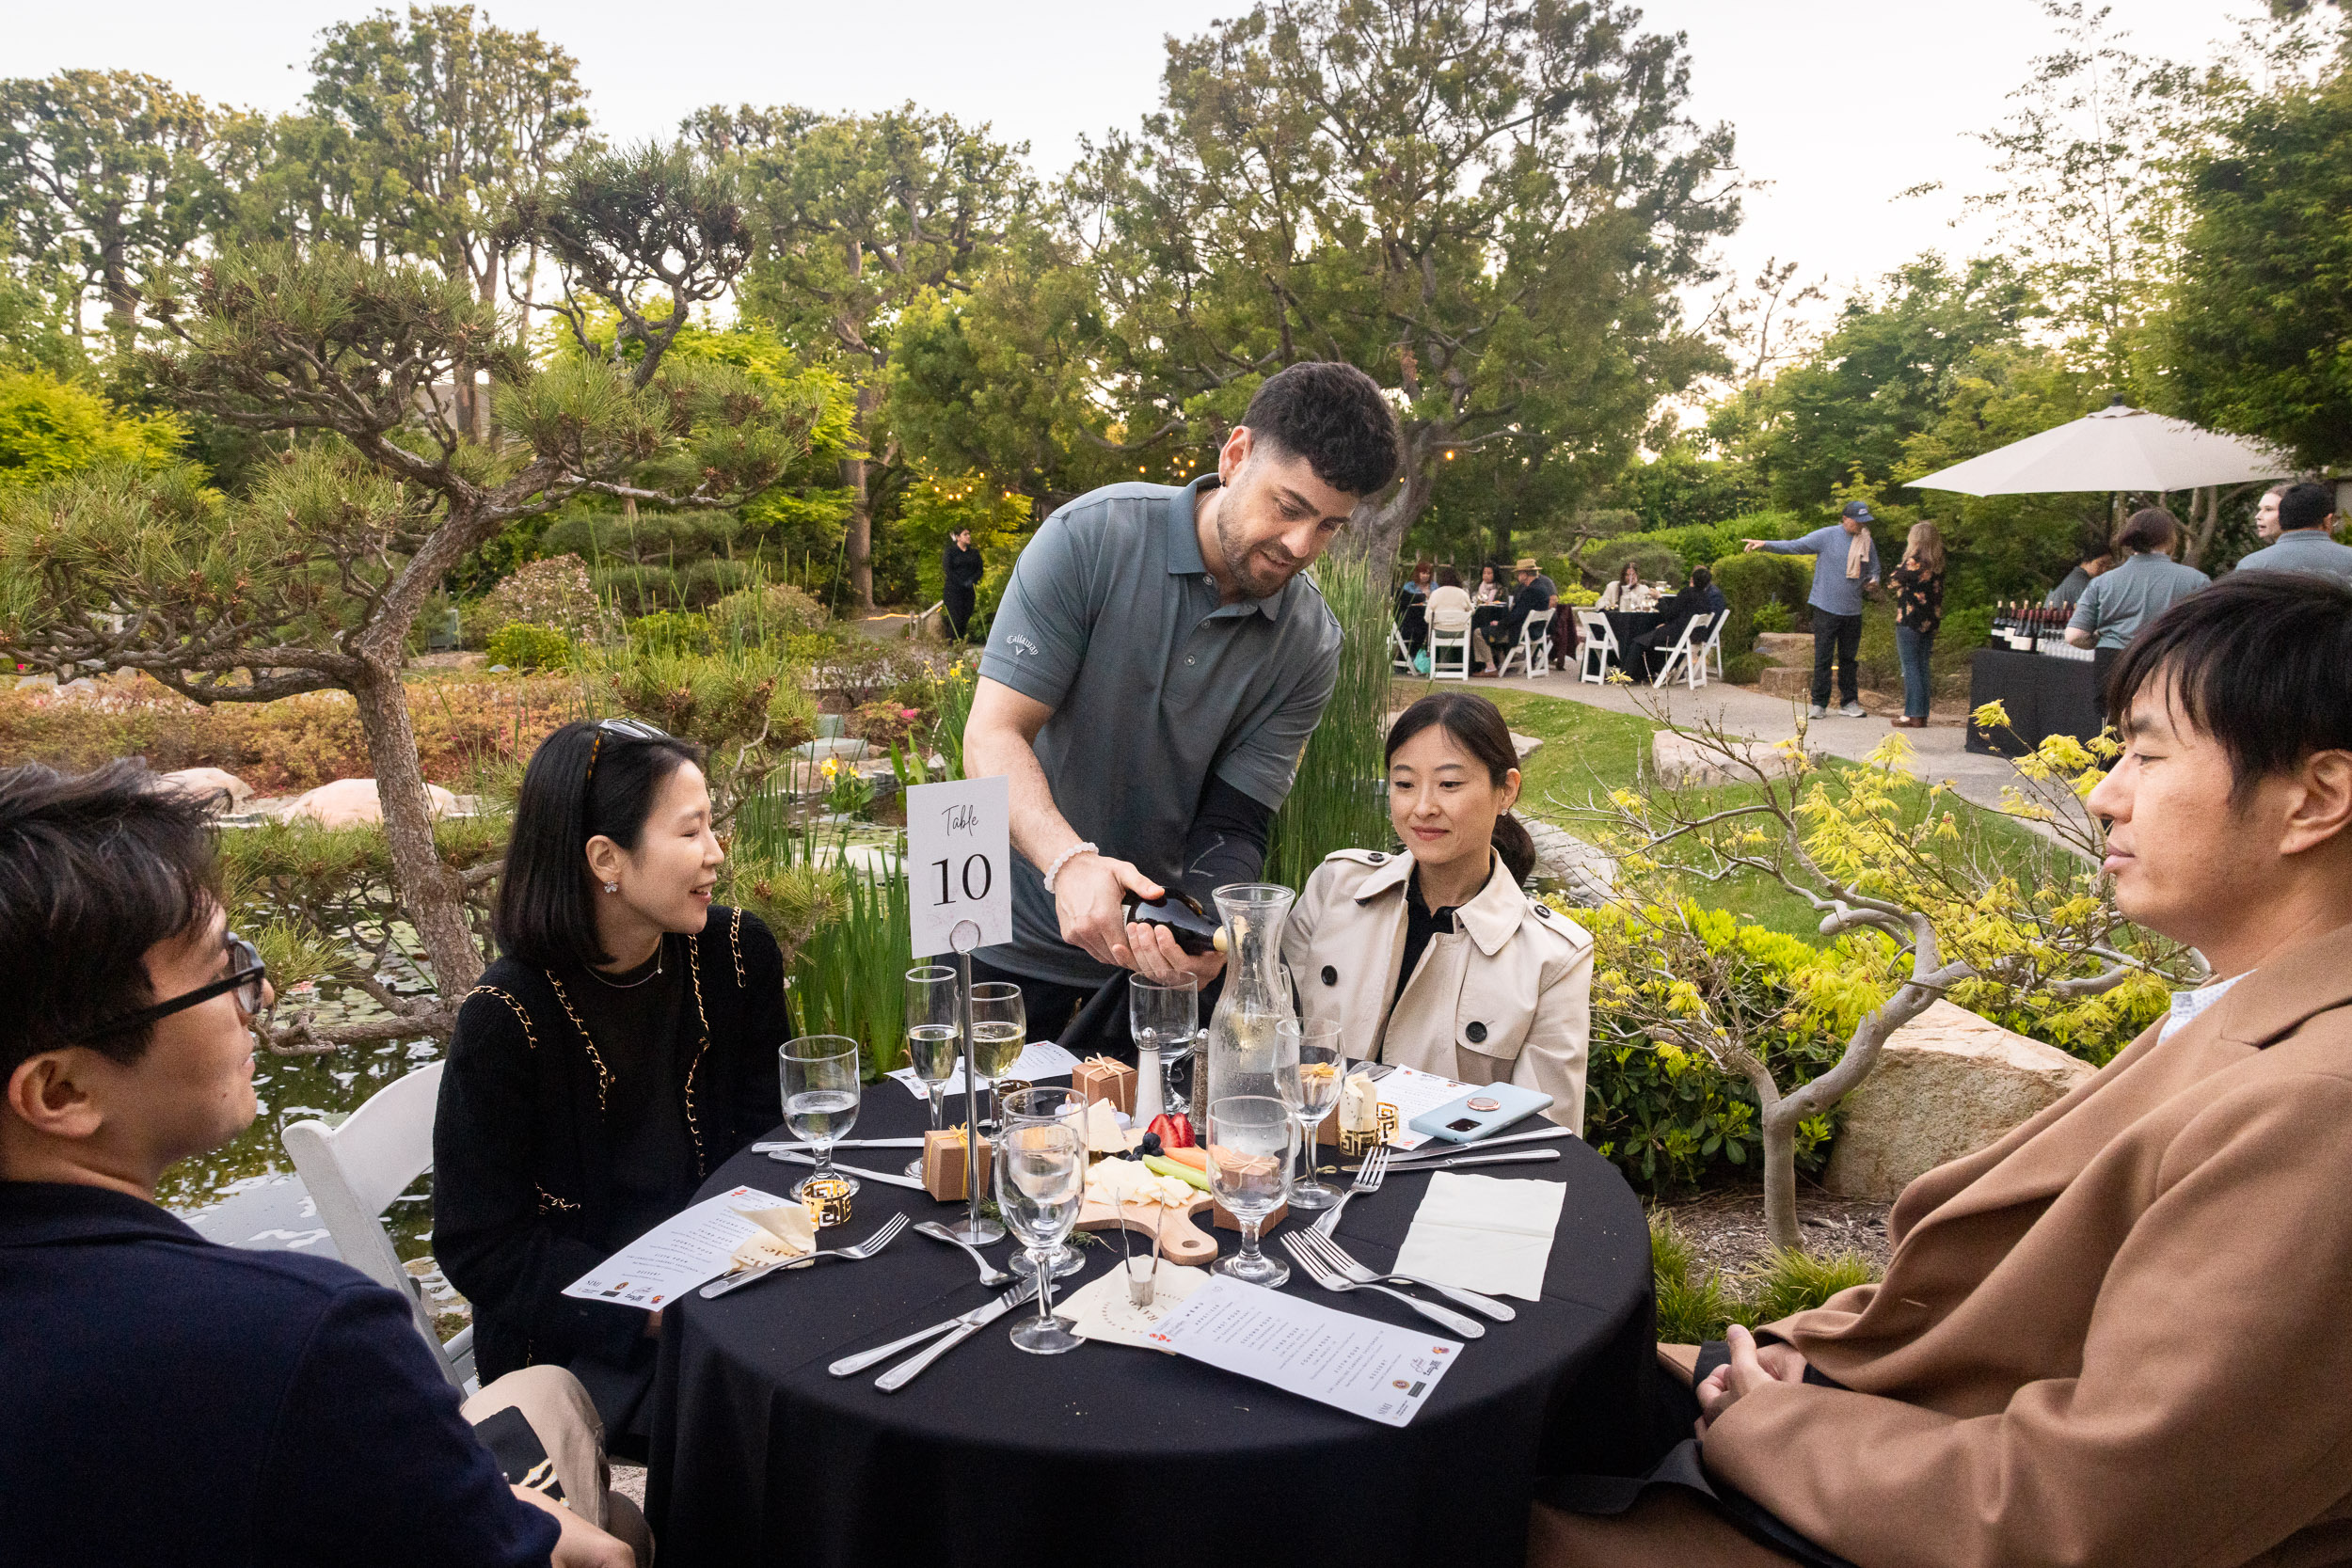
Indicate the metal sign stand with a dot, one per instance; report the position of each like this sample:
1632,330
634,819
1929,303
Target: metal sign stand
972,1229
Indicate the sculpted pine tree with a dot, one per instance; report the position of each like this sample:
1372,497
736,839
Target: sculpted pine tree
313,578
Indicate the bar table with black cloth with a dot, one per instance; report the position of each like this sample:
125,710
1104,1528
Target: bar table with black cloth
1109,1452
2042,694
1630,626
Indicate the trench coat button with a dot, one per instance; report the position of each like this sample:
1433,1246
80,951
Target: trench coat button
1330,976
1476,1034
1378,856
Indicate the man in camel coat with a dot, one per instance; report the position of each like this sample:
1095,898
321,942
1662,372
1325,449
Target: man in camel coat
2117,1336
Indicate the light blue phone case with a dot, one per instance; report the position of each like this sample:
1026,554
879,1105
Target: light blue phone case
1457,1123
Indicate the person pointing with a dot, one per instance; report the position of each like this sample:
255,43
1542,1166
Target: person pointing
1151,677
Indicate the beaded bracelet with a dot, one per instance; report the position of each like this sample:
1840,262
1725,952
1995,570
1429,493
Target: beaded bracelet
1064,859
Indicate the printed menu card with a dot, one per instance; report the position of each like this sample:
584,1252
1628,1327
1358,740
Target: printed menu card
1354,1364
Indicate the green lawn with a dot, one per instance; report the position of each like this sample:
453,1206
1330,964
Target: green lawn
1588,749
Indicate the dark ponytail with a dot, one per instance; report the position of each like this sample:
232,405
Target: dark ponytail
1478,725
579,784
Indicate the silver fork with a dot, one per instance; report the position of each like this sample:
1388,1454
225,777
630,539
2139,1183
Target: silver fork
865,1249
1375,1171
1333,1254
1331,1279
990,1273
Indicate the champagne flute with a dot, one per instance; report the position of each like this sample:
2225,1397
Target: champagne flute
1307,1076
1000,1030
1041,1180
1249,1171
1165,1018
933,1038
821,1098
1045,1107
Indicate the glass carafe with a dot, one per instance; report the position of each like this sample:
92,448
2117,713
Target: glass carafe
1237,1057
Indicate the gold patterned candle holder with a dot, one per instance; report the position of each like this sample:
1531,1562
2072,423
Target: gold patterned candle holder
827,1200
1356,1145
1008,1088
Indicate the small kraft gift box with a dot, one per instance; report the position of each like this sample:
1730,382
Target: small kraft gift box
1103,1077
943,1164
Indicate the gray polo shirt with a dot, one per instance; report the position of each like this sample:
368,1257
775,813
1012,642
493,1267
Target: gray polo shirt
1112,621
2303,550
2122,599
1833,590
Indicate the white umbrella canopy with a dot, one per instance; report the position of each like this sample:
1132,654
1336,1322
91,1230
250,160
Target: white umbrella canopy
2116,448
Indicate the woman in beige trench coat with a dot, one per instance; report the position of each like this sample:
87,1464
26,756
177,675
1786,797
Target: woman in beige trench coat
1433,959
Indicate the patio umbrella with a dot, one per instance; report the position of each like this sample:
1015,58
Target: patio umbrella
2118,447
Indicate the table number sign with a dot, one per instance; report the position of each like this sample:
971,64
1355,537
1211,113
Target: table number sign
958,862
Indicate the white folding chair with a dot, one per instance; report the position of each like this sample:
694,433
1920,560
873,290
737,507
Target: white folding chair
1532,650
1445,638
1400,657
1694,660
1714,650
1599,642
353,1172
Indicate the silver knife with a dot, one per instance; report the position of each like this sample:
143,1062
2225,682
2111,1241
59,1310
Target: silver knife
1025,1290
1524,1157
838,1143
906,1372
741,1277
888,1178
1436,1146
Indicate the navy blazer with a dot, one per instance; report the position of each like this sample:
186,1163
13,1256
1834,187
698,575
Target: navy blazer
170,1400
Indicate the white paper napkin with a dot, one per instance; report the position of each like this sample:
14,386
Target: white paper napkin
1482,1233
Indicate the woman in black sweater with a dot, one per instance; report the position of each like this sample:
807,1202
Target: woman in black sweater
622,1048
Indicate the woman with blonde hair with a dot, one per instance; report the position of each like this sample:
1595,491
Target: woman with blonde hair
1917,587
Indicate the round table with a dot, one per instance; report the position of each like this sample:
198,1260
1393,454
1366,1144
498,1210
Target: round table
1630,626
994,1456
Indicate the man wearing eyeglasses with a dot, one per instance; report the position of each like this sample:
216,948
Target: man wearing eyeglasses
168,1400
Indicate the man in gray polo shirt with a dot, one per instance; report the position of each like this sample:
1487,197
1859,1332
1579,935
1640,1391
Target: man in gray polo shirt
1846,561
2307,518
1153,675
2124,598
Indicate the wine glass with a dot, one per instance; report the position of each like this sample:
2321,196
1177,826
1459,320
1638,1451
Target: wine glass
933,1038
821,1096
1046,1107
1165,1018
1307,1076
1041,1180
1249,1171
1000,1030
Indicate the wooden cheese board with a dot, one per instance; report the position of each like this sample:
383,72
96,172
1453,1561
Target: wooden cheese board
1180,1240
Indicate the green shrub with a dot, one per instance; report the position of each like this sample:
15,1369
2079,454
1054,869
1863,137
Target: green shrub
520,645
1773,616
1751,581
673,632
695,585
1696,1304
754,616
556,591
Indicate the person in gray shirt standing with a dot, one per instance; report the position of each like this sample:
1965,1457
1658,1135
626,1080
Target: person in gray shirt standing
2125,597
1846,561
1151,677
2307,517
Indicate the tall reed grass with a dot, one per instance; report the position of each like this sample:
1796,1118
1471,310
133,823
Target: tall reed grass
1339,800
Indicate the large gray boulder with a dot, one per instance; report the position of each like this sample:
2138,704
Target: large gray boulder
1585,872
1946,1083
1690,759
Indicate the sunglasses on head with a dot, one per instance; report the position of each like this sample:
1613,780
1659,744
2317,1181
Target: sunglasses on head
627,729
247,975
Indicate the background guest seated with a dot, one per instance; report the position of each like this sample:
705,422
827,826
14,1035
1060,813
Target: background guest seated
1412,605
1435,959
1702,597
1450,609
1627,592
171,1400
621,1050
2114,1336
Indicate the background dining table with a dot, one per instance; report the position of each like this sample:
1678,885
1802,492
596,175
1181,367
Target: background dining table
994,1456
1630,625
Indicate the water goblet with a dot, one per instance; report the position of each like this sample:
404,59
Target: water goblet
821,1098
933,1038
1044,1107
1249,1169
1000,1030
1307,1076
1040,1180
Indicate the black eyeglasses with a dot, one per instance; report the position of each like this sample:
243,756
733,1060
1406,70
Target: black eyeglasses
246,976
627,729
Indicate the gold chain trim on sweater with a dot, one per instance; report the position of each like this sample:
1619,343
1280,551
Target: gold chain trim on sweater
734,941
604,1075
693,1124
530,1038
548,1201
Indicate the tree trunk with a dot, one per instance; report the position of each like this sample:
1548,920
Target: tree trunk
1779,1152
856,474
2205,515
431,894
1376,528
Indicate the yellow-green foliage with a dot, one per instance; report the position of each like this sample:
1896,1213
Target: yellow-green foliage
49,427
520,645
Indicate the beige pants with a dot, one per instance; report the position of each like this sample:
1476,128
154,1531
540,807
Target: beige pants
568,1427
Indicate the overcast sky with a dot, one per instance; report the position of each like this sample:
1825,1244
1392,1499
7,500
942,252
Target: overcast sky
1840,104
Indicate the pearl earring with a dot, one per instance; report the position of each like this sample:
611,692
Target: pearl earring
611,887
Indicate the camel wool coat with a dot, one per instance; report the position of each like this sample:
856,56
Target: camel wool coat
2116,1335
1505,998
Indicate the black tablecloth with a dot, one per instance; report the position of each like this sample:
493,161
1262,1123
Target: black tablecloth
1630,626
2043,695
993,1456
